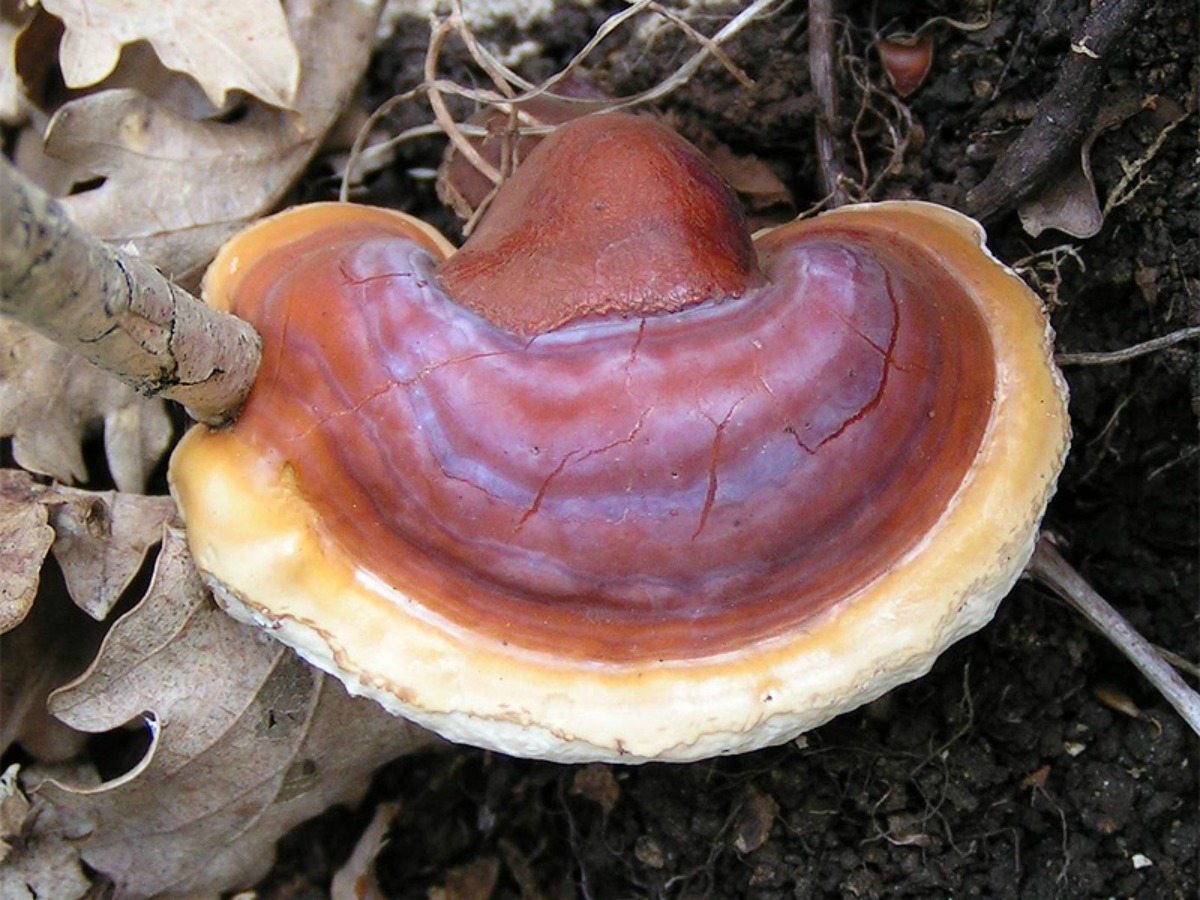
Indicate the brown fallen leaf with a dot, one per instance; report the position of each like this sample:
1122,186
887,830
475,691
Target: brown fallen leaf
755,182
245,742
25,538
1069,202
224,44
12,92
175,188
14,811
101,540
52,175
597,783
37,865
48,400
753,820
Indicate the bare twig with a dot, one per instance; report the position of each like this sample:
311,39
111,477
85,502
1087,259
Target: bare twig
116,311
1064,117
1048,566
822,45
1118,356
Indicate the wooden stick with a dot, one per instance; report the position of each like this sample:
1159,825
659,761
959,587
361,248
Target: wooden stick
116,311
1048,567
1063,116
822,69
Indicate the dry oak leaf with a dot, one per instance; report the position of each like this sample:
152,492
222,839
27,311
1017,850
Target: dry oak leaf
49,398
25,538
224,44
175,188
246,741
101,540
44,867
14,811
34,866
12,91
476,880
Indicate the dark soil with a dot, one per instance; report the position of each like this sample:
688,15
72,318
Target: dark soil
1033,762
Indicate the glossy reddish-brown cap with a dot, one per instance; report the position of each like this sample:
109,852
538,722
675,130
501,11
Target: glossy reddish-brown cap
660,530
631,220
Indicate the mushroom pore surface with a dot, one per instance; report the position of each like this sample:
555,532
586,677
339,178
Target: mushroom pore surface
629,485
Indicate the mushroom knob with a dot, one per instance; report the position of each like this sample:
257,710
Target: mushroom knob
612,481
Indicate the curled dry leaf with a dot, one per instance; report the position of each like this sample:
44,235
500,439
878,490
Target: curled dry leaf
25,538
755,182
176,188
246,741
101,540
753,820
224,44
906,60
597,783
1069,202
48,400
14,810
45,866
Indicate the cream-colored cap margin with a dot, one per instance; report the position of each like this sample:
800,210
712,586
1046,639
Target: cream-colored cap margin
258,545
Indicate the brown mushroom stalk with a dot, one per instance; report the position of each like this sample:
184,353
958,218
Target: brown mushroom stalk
613,481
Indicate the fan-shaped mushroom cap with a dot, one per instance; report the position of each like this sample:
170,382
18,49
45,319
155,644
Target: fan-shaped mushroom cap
636,535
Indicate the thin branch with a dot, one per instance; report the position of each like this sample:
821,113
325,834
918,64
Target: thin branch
1048,566
119,313
1133,352
822,54
1063,117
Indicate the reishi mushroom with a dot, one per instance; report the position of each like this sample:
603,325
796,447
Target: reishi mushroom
613,481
